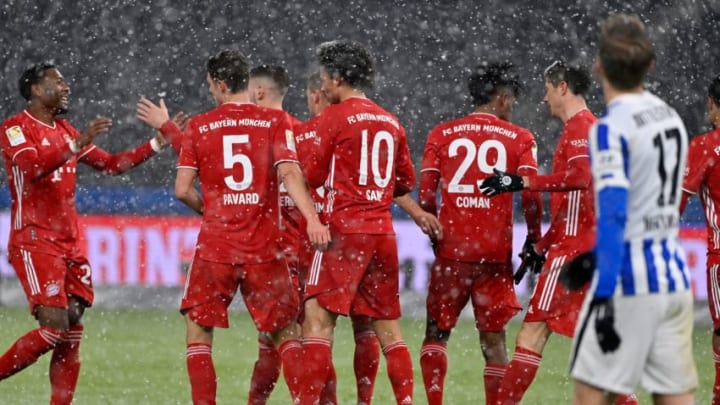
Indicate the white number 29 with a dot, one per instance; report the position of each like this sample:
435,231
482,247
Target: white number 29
471,151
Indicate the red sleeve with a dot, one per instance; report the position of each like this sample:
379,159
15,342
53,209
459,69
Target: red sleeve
576,177
318,162
20,149
404,170
531,201
698,166
187,158
283,140
117,163
429,175
173,135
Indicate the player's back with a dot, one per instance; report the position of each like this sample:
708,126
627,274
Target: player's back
369,161
235,148
704,160
650,138
465,151
43,208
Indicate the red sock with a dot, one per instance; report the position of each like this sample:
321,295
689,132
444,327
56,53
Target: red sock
623,399
518,376
400,371
65,367
317,355
291,355
433,363
26,350
366,363
265,373
493,376
328,396
201,371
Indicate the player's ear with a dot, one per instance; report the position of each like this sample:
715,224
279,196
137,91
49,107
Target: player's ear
597,68
563,87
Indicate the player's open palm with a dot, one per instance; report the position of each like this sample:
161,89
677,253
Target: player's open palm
319,235
152,114
94,128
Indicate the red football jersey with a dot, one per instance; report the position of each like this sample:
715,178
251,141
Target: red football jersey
572,207
290,216
703,175
464,152
43,210
361,154
235,149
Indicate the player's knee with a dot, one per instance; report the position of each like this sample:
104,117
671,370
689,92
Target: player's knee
435,334
533,336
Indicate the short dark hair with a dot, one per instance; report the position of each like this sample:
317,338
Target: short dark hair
714,90
625,51
313,81
348,60
278,74
33,75
488,78
576,76
230,66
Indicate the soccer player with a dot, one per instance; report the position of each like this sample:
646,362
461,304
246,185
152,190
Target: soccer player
552,308
636,323
238,151
362,157
471,263
703,175
267,87
41,153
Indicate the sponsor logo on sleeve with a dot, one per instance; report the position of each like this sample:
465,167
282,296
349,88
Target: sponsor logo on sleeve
15,135
290,140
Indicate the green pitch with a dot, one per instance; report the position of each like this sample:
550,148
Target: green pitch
138,357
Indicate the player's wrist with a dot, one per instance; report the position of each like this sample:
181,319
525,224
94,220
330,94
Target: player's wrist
74,147
155,145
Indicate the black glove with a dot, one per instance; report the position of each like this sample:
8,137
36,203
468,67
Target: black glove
501,182
604,319
530,260
575,274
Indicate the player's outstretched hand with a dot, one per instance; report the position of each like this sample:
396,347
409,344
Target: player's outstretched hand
501,182
181,120
575,274
607,336
319,235
531,260
151,114
94,128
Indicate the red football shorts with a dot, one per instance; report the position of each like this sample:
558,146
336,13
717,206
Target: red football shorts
551,302
266,288
49,280
490,287
713,289
357,275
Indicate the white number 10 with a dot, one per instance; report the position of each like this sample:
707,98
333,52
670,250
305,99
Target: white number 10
379,138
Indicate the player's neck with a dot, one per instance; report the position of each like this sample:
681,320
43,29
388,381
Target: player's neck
350,92
41,113
611,93
572,108
236,98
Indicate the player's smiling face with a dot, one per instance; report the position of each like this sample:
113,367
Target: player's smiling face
53,91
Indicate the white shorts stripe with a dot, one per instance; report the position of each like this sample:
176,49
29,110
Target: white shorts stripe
549,287
30,272
715,288
314,275
187,276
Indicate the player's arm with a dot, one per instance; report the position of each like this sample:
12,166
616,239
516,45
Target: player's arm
698,166
429,175
317,164
611,194
428,222
292,177
576,177
158,117
35,165
185,190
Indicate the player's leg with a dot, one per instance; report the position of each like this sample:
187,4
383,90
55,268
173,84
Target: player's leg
266,371
317,331
366,359
65,361
713,293
397,358
679,399
521,370
585,394
198,358
434,360
494,304
48,304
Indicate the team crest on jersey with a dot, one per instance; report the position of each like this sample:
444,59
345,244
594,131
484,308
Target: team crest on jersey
15,135
52,290
290,140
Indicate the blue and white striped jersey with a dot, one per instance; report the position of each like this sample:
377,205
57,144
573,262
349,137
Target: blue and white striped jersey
638,151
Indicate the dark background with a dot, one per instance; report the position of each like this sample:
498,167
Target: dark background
113,52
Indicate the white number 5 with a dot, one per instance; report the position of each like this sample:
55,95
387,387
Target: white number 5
230,159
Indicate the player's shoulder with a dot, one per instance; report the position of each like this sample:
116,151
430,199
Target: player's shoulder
707,140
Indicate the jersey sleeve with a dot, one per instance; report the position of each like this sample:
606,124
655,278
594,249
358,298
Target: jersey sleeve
577,176
698,166
283,139
187,159
527,164
429,175
318,162
19,148
404,170
609,159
